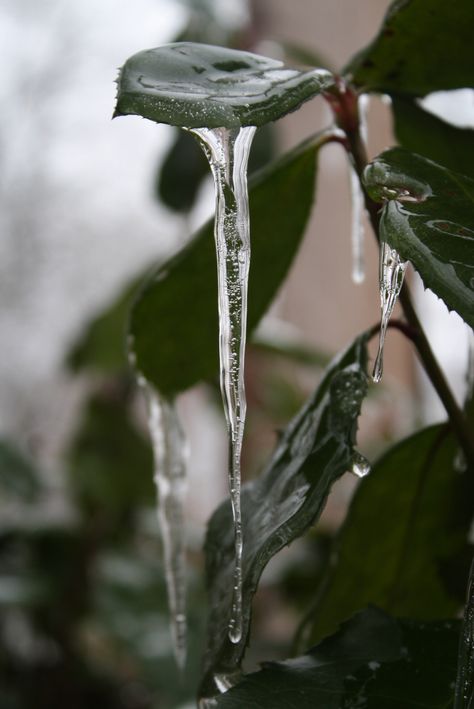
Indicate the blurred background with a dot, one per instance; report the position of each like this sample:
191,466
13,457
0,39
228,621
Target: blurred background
86,207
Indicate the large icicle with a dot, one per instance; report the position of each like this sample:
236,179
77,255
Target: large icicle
357,229
357,203
227,151
391,275
170,452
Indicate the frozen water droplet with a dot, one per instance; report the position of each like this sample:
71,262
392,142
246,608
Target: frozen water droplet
227,151
170,452
360,465
391,276
459,461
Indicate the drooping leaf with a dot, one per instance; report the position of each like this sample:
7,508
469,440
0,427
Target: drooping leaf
174,323
423,132
465,676
315,450
421,47
429,219
198,85
372,662
18,477
102,344
407,524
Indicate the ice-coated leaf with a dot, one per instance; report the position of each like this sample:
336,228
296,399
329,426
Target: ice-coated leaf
288,497
404,541
174,324
198,85
425,133
421,47
372,662
428,217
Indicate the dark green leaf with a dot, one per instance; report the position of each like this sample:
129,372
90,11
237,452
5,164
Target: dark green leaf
315,450
18,476
425,133
182,173
111,462
102,344
372,662
198,85
408,519
174,321
422,46
429,220
465,676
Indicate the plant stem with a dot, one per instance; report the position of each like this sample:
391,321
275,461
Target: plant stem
343,100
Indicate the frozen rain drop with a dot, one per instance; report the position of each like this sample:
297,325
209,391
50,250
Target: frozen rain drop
170,452
360,465
357,229
227,151
391,275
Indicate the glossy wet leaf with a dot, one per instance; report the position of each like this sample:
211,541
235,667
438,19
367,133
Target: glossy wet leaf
198,85
433,224
174,321
404,544
423,132
288,497
421,47
372,662
19,478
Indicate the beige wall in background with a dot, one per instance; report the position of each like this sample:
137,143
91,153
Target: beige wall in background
320,297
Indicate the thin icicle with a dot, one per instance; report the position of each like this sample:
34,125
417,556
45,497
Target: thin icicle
170,452
357,229
227,151
391,275
357,204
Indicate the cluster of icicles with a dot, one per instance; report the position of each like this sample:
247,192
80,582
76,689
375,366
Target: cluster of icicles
227,151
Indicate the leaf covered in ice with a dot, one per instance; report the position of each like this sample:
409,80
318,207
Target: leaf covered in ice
288,497
195,85
428,217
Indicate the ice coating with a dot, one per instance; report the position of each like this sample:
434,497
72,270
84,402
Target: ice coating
391,275
227,151
357,203
357,229
170,452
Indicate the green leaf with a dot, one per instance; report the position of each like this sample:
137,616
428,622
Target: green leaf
315,450
465,676
425,133
18,477
408,521
422,46
373,662
174,323
429,220
101,346
198,85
